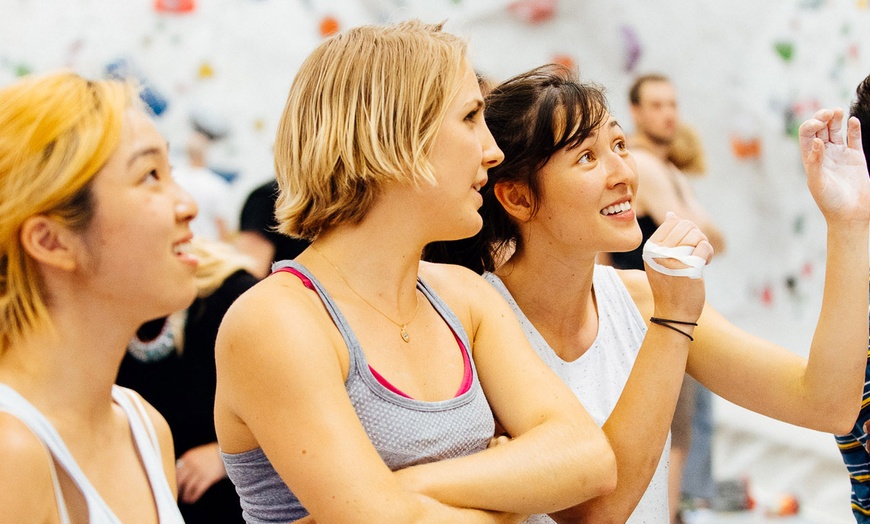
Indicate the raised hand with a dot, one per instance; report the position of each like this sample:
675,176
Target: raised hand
678,297
836,169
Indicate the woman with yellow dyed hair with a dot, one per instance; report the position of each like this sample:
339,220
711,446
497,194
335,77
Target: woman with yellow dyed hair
93,235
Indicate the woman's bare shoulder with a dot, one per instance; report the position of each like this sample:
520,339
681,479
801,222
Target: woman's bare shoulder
28,490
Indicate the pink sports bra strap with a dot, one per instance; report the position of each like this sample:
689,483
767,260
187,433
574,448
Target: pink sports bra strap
305,281
467,375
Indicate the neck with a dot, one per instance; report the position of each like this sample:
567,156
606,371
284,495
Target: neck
377,268
556,295
68,371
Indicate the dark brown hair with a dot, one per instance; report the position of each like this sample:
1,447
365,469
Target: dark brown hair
634,90
531,116
861,110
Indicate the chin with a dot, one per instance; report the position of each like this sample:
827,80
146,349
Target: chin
183,299
467,229
628,244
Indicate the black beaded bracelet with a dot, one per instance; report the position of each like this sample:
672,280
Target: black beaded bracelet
667,323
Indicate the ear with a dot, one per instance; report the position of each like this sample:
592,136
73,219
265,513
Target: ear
49,242
515,198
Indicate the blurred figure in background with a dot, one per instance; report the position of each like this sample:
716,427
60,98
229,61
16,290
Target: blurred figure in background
213,194
665,150
258,236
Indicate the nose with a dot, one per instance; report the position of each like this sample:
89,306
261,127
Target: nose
186,208
620,169
492,154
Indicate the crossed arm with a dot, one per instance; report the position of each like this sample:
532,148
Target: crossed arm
286,386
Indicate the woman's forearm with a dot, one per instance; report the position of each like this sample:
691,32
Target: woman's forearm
542,471
834,378
638,426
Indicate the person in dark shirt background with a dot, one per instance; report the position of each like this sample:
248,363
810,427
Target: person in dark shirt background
257,235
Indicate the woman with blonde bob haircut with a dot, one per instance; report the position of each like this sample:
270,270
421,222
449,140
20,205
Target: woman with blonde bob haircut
335,153
357,384
92,235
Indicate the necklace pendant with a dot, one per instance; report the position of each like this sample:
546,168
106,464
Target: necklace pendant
405,336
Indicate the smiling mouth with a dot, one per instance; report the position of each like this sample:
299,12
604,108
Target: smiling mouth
183,248
616,209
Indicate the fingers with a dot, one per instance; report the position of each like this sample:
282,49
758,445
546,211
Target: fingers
662,232
192,485
854,134
189,480
497,441
704,249
182,478
677,248
834,127
817,125
823,127
676,231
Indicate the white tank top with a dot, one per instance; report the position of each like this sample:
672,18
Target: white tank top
599,375
146,442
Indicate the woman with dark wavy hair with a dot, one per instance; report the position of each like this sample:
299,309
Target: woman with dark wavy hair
563,194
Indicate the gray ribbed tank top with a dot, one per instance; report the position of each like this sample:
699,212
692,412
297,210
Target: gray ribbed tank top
404,431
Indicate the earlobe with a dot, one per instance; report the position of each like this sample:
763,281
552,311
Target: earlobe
48,242
515,199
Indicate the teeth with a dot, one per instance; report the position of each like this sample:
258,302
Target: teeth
618,208
182,249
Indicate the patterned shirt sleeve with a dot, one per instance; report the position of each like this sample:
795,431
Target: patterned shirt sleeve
856,457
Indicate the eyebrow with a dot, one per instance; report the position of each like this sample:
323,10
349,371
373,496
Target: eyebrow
476,104
150,151
594,134
613,123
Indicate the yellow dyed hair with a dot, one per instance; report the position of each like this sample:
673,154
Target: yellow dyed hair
56,132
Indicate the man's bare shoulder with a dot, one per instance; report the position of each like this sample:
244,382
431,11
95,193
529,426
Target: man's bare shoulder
647,161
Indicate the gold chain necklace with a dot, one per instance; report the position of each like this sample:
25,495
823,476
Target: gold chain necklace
401,325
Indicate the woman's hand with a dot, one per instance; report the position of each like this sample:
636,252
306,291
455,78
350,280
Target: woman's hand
836,170
197,470
678,297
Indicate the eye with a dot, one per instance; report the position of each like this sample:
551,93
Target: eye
620,146
154,176
470,117
586,158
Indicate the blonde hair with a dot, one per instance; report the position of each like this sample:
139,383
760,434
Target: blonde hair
686,151
56,132
217,261
363,111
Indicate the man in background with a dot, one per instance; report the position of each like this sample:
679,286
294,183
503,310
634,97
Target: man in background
663,187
